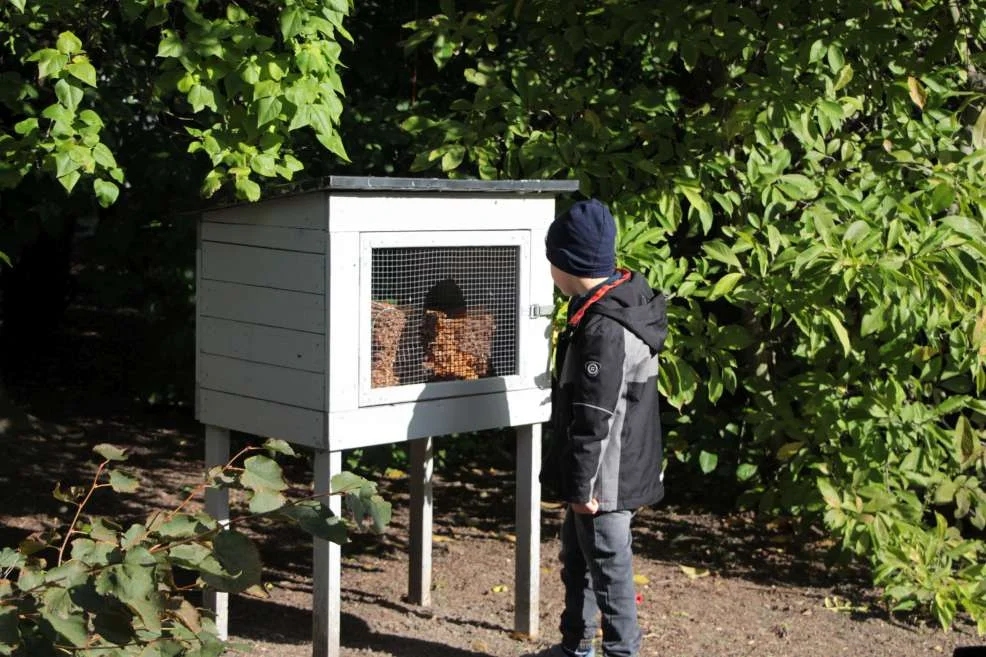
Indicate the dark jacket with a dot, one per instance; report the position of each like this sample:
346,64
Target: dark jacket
606,427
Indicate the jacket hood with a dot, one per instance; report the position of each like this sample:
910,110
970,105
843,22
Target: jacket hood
640,309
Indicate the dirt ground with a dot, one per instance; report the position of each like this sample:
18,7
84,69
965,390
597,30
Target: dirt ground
710,583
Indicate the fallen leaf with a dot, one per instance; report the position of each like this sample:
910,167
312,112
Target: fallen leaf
695,573
394,473
499,588
641,580
550,505
438,538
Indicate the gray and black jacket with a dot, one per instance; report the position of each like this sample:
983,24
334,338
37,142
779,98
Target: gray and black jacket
606,427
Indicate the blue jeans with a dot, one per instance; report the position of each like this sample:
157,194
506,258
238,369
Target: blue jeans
597,571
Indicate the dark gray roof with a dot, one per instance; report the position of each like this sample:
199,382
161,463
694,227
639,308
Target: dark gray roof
371,184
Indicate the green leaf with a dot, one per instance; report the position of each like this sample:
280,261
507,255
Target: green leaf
248,189
106,193
9,634
965,226
292,22
110,452
746,471
26,127
262,473
333,142
201,97
719,251
265,501
103,156
171,45
844,78
68,43
279,446
19,4
453,158
69,180
967,444
120,482
979,131
268,109
707,461
239,561
68,95
701,206
838,329
725,285
264,164
829,494
50,62
346,482
733,337
318,520
58,611
83,70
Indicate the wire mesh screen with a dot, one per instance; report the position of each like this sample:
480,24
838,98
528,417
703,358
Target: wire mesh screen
443,313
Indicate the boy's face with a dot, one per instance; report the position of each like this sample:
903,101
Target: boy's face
562,281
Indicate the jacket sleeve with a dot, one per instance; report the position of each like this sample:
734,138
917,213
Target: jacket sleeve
596,378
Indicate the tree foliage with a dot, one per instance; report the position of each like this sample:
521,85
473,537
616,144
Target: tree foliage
82,81
806,182
98,588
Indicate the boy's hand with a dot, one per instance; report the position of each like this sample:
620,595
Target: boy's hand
587,509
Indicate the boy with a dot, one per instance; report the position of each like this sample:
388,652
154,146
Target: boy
606,455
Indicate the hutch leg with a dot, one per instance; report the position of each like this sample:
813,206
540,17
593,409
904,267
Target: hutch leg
528,560
419,576
217,506
327,565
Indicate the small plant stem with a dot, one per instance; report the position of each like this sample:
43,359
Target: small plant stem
78,511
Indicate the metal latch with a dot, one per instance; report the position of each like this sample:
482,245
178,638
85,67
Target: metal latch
542,310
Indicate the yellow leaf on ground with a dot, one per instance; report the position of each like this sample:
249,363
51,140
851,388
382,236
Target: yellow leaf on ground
695,573
438,538
499,588
641,580
394,473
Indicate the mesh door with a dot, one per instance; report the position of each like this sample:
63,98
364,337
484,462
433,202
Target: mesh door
443,313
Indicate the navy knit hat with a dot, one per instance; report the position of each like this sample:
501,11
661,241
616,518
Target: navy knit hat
582,241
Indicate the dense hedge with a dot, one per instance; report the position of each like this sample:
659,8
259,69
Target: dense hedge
805,180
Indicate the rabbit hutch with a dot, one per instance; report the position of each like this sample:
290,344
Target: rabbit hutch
368,311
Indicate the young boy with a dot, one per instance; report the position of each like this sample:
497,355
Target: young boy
606,456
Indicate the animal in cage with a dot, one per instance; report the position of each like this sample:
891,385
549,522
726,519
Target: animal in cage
388,322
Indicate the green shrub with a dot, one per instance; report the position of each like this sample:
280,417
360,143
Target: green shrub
805,181
99,589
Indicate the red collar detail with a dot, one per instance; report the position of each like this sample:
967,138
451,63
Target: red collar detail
600,293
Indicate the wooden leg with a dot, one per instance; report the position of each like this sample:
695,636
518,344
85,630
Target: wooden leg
327,566
528,561
217,505
422,467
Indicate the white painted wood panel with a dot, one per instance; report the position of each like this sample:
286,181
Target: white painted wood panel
426,212
217,506
271,237
527,563
343,321
379,425
267,382
327,566
284,270
262,344
263,418
260,305
536,361
421,468
301,211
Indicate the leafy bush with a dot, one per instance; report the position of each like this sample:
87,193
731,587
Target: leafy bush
102,589
805,181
